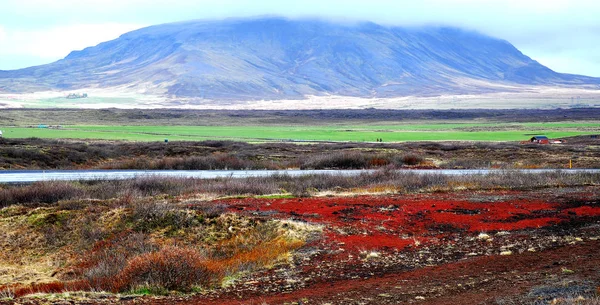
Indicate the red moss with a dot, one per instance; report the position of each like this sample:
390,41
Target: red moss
584,211
51,287
380,222
371,242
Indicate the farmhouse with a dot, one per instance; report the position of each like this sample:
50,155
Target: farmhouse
540,140
77,95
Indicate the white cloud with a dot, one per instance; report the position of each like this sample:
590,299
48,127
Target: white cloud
578,65
56,42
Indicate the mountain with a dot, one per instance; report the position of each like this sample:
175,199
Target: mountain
271,58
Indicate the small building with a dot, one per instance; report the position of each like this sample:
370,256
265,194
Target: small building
540,140
76,96
0,133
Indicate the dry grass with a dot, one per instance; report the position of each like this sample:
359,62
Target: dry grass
44,193
576,301
147,243
253,249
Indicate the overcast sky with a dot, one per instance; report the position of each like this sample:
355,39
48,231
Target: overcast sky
562,34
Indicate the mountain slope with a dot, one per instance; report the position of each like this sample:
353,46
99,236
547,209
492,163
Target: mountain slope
279,58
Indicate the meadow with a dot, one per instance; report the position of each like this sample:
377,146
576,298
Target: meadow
351,133
364,125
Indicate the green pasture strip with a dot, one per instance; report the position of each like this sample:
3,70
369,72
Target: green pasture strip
193,130
257,133
78,134
563,124
460,126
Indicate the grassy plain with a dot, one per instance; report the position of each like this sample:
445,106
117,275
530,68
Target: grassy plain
312,125
354,133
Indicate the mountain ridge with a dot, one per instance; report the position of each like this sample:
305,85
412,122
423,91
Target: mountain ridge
274,58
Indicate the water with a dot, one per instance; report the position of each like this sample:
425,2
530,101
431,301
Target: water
28,176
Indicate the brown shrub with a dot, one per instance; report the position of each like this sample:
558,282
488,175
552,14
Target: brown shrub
378,162
338,160
171,268
108,257
39,193
412,159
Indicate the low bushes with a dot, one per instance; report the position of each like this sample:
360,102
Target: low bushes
101,266
39,193
171,268
358,160
212,162
43,193
340,160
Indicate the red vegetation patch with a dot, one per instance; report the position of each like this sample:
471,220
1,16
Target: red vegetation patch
52,287
394,222
584,211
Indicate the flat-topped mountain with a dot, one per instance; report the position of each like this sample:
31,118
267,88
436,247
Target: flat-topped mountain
275,58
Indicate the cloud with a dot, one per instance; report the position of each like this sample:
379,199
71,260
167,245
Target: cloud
555,30
56,42
567,64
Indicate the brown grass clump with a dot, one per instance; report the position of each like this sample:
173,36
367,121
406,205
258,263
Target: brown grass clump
171,268
258,256
257,248
17,291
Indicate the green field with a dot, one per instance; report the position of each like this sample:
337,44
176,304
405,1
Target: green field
360,133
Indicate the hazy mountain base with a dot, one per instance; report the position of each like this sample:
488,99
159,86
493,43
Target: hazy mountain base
520,98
